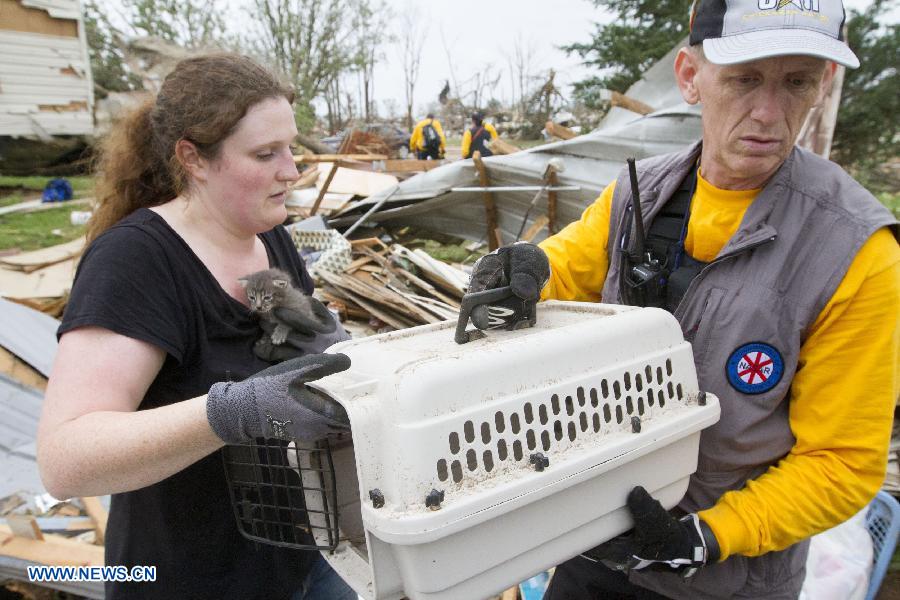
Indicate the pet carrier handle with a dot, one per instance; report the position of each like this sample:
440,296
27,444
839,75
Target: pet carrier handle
505,310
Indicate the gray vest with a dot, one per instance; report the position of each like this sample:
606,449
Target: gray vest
766,286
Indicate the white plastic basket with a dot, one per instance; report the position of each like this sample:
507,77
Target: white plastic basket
475,466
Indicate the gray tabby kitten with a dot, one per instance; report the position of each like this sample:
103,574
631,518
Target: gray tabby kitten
271,289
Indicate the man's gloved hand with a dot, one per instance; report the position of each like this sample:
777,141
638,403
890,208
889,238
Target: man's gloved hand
309,335
275,403
658,541
522,266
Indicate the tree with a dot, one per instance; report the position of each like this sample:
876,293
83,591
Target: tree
371,29
192,24
411,39
106,48
868,130
639,35
309,42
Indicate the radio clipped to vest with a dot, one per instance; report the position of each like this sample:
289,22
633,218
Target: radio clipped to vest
657,270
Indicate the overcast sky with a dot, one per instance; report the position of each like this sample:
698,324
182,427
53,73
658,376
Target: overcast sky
481,32
484,32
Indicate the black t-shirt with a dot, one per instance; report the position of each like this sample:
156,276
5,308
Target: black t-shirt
140,279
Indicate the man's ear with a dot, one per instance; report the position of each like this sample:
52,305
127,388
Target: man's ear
195,165
687,65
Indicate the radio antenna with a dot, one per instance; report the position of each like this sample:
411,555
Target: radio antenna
637,254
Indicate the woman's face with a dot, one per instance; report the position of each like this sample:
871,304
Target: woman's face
248,181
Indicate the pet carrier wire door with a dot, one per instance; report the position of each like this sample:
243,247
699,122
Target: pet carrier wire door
474,466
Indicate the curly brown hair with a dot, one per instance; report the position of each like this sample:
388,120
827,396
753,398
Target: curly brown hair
201,101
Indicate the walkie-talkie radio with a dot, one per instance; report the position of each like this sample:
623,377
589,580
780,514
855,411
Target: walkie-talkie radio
649,267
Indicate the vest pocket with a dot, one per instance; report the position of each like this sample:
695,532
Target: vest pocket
698,320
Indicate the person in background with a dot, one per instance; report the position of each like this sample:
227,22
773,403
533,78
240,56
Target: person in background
427,140
153,372
784,274
477,137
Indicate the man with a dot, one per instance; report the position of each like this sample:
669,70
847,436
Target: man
427,139
476,137
784,274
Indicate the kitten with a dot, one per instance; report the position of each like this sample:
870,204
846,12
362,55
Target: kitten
271,289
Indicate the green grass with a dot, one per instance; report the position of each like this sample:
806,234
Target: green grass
80,183
14,198
33,230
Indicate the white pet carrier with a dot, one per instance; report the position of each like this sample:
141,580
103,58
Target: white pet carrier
475,466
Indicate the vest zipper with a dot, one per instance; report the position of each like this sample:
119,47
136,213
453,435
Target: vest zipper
693,286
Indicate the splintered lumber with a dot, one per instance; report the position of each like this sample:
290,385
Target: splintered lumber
52,550
552,180
97,512
490,207
499,146
29,262
408,165
560,131
535,228
317,158
635,106
324,188
24,526
307,178
444,275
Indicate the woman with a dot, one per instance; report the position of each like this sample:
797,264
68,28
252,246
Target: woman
191,192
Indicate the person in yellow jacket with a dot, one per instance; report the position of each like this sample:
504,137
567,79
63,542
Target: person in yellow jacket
477,136
784,275
427,139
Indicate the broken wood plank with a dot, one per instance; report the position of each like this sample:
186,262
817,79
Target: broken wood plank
490,208
324,188
97,512
409,165
502,147
552,180
635,106
316,158
510,594
52,550
29,262
535,228
560,131
24,526
307,178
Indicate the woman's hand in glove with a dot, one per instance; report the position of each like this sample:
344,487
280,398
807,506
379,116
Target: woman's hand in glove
308,334
276,403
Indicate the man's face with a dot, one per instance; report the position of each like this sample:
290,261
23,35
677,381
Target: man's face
752,112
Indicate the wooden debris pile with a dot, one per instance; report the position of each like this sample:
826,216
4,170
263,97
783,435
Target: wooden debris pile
396,286
41,279
37,530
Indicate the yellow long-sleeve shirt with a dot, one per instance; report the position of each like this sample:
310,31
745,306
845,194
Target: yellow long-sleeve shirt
842,395
467,138
417,140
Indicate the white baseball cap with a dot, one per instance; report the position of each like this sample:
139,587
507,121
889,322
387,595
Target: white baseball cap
737,31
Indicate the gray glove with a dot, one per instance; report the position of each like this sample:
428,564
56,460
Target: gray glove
275,403
309,335
522,266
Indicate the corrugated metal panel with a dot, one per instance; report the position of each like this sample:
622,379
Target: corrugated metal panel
29,334
21,408
39,72
60,9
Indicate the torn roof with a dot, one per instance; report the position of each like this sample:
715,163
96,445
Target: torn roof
590,161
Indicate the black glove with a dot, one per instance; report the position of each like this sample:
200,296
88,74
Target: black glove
275,403
658,541
522,266
308,335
